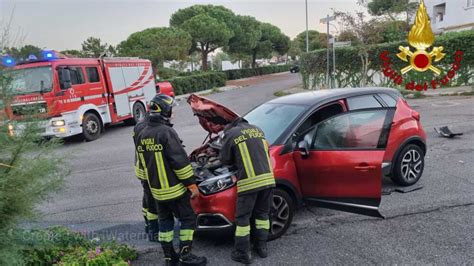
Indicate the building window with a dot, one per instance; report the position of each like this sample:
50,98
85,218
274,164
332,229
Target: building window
470,3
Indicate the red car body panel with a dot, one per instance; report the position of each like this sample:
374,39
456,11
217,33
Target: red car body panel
406,124
223,202
340,174
165,87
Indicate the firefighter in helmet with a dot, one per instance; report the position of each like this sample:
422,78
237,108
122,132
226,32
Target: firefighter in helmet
148,203
245,147
171,181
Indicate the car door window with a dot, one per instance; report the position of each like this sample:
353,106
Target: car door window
320,115
363,102
92,74
354,130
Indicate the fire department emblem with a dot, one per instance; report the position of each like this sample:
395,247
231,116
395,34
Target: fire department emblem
421,37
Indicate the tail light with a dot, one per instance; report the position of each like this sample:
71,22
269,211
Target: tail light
415,115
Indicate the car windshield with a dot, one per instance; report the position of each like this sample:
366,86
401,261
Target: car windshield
29,80
273,119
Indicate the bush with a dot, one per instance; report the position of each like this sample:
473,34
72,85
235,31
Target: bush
59,245
349,66
167,73
250,72
199,82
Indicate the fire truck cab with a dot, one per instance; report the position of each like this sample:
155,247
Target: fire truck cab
80,95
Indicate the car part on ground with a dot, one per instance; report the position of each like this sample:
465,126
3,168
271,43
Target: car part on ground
447,132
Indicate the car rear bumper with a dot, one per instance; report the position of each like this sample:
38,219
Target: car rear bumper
216,211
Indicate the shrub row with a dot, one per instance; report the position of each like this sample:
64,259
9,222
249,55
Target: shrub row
199,82
349,65
250,72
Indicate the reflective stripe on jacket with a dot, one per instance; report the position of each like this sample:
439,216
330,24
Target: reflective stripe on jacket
139,172
164,161
244,145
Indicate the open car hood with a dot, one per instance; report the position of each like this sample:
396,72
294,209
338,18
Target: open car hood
212,116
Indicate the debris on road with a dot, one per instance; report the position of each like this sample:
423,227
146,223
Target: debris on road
390,190
446,132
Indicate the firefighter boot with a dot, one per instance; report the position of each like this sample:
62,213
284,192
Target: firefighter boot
188,258
261,249
241,252
147,225
153,230
171,257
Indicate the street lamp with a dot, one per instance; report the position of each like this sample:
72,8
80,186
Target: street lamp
326,21
307,39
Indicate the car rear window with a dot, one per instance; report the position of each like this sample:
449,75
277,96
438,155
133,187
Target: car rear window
389,100
363,102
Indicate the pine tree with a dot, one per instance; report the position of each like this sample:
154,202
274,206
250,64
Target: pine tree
30,169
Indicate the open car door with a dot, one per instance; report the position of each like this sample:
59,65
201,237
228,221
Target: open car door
339,160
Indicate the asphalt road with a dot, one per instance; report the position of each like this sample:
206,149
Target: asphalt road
431,225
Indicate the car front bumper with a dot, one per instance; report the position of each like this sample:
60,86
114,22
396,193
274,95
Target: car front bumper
216,211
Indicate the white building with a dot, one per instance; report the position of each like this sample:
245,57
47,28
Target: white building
450,15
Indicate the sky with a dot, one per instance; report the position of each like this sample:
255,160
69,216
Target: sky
65,24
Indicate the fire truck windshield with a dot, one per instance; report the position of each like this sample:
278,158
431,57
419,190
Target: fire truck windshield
31,80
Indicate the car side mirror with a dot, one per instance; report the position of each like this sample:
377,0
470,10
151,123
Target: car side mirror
66,78
303,148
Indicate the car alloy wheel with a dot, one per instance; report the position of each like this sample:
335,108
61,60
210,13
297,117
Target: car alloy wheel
281,213
411,165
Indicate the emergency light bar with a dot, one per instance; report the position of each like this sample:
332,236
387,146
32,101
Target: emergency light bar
46,55
8,61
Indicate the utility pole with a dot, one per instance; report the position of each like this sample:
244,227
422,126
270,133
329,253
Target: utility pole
307,39
334,61
326,21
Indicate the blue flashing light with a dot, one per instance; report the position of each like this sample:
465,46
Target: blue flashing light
48,54
8,61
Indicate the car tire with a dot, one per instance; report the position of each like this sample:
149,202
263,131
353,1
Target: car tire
138,113
91,127
409,165
281,213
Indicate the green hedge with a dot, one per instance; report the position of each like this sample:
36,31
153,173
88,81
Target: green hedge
199,82
250,72
349,65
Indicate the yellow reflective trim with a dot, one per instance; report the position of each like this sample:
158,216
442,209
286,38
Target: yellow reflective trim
186,234
265,145
169,193
248,187
142,160
184,169
185,172
258,178
244,153
262,224
160,166
151,216
166,236
242,230
144,211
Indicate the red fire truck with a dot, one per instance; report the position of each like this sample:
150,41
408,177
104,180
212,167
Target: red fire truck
80,95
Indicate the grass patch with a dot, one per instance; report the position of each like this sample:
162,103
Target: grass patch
419,95
213,91
281,93
467,93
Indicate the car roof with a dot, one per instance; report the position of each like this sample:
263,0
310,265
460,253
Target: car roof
317,96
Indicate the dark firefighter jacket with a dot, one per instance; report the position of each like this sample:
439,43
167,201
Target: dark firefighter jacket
164,161
245,147
139,173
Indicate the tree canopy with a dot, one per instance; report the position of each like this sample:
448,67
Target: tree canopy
210,27
157,44
247,33
271,40
94,47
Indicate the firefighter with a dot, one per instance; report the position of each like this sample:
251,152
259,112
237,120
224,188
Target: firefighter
148,203
171,181
244,146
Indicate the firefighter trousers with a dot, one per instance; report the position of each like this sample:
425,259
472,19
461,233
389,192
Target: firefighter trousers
182,210
254,205
149,210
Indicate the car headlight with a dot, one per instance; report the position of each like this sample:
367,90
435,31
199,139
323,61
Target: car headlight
58,123
216,184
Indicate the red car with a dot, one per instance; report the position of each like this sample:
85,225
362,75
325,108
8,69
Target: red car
165,87
330,148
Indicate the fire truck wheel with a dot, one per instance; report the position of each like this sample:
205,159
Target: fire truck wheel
139,113
91,127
